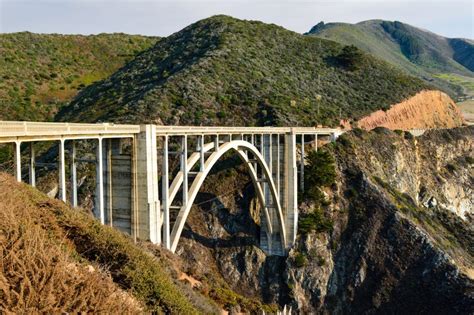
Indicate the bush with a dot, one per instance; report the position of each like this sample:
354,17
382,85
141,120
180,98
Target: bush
314,221
351,58
300,260
408,136
319,170
451,167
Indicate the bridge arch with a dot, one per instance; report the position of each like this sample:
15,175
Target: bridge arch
242,148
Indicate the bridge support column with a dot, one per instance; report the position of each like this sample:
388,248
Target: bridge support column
118,186
99,201
165,196
291,188
108,183
32,165
270,239
62,171
265,235
278,163
302,157
73,174
18,161
147,222
184,168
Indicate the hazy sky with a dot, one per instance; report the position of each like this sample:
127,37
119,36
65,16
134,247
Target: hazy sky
452,18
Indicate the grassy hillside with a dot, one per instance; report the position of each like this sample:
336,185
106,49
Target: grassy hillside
227,71
57,238
417,51
54,259
41,72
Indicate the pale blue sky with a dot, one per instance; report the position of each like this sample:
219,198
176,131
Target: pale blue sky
452,18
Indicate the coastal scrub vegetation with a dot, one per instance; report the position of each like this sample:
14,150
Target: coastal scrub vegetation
319,173
39,73
225,71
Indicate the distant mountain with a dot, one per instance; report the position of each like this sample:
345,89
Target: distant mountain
41,72
226,71
445,62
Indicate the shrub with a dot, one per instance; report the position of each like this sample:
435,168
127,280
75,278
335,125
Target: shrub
300,260
351,58
314,221
321,261
408,136
319,170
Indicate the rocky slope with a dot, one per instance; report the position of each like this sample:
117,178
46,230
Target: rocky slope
403,236
401,240
225,71
425,110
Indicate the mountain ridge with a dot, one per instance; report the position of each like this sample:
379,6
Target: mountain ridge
419,52
222,70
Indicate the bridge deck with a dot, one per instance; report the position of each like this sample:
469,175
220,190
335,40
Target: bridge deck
11,131
29,131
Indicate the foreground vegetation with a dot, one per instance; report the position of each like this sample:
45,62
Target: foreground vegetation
54,259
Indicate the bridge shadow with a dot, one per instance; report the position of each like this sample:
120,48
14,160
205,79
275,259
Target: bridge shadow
214,243
240,227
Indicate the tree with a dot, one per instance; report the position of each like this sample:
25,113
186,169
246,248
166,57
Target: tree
351,57
319,170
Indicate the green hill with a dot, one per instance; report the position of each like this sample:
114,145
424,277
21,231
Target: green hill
419,52
41,72
226,71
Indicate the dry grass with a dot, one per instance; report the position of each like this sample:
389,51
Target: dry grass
55,259
37,273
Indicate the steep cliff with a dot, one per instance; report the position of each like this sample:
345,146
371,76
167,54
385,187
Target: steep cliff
427,109
401,239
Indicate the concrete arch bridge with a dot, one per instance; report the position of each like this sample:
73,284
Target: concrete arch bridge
137,189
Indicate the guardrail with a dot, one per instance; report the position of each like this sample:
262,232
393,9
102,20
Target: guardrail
15,128
18,129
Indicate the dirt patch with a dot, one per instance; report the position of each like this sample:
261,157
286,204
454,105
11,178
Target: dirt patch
425,110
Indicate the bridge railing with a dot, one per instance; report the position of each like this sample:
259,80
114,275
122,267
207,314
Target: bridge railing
15,128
